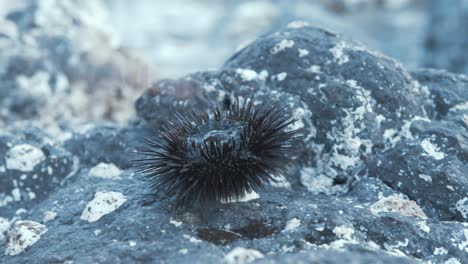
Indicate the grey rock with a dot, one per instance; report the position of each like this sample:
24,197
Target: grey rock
340,91
48,73
365,122
448,91
447,41
30,169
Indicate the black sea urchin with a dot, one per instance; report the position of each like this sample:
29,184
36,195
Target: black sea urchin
220,156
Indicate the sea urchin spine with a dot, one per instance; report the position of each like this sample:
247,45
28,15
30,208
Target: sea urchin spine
220,156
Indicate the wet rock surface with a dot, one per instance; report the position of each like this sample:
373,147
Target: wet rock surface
380,176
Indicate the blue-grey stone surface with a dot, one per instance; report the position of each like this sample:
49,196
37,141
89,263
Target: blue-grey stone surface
380,176
447,37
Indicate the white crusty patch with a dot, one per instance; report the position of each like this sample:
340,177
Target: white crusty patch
423,226
23,157
395,249
432,149
280,182
49,216
425,177
440,251
315,183
398,204
344,232
105,171
303,52
247,74
282,45
247,197
452,261
281,76
4,226
298,24
462,207
462,107
338,53
292,224
22,235
175,222
241,255
102,204
193,239
315,69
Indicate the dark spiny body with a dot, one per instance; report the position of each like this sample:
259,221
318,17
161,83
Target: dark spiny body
202,158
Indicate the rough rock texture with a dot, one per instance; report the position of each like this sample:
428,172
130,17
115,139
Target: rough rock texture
50,74
381,176
447,38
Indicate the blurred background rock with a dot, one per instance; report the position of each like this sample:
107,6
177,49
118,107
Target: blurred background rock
89,60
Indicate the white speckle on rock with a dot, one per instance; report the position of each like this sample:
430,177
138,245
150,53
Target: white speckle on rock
398,204
49,216
292,224
31,195
452,261
21,211
281,76
298,24
102,204
315,183
4,226
396,248
283,44
344,232
432,149
462,207
423,226
2,169
315,69
105,171
462,107
338,53
22,235
132,243
183,251
175,222
303,52
37,85
16,194
193,239
23,157
241,255
463,245
247,197
440,251
247,74
97,232
280,182
425,177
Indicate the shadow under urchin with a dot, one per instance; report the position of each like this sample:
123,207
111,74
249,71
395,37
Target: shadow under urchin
219,155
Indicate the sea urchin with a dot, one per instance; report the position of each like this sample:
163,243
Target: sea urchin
221,155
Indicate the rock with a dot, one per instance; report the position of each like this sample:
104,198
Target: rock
351,101
22,235
430,169
447,37
448,91
31,168
335,256
380,175
54,74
